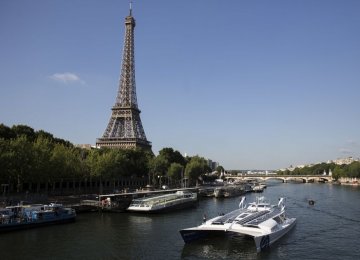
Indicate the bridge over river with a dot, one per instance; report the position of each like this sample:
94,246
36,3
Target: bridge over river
283,178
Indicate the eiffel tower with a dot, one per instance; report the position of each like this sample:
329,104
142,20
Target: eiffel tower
125,129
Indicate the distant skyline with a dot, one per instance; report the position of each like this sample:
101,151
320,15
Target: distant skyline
249,84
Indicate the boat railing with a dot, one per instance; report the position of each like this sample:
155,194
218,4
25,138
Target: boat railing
163,201
154,201
242,204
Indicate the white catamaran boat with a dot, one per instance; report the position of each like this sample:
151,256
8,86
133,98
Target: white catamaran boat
264,222
167,202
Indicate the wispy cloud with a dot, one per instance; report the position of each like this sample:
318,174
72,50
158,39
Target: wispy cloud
352,143
67,77
345,151
350,146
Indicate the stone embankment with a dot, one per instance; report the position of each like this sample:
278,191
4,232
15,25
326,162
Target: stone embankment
349,181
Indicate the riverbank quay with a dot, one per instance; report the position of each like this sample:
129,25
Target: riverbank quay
119,202
113,201
349,181
109,202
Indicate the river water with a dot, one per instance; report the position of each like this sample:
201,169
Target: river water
330,229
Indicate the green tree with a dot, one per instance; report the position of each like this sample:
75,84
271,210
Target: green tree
20,130
338,172
175,171
158,166
306,171
45,135
220,169
5,160
42,150
172,156
94,162
136,162
195,168
21,160
6,132
65,162
354,170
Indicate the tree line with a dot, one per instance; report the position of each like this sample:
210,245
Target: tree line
27,155
345,170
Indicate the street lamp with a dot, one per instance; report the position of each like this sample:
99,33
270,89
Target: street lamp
159,177
182,177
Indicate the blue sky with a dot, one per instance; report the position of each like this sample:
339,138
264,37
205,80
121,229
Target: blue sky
250,84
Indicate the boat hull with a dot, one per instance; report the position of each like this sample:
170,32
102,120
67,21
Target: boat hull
191,235
34,224
263,242
227,192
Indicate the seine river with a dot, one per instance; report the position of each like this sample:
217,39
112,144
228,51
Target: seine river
328,230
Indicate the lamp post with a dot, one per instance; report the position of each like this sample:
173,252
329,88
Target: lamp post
161,182
182,177
159,177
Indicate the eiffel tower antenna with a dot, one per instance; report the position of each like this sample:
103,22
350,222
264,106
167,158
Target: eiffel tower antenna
125,129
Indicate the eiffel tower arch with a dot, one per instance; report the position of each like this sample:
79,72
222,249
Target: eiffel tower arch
125,129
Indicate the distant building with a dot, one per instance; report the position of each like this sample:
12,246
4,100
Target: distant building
85,146
212,165
341,161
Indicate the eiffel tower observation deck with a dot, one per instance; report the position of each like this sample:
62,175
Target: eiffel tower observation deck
125,129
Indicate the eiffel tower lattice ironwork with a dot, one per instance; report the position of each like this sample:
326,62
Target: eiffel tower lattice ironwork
125,129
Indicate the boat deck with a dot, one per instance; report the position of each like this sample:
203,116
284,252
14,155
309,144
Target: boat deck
228,218
253,218
263,217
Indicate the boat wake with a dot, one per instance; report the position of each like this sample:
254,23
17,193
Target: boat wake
235,247
300,203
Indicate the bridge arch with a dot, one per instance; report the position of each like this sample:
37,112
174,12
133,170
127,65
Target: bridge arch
284,178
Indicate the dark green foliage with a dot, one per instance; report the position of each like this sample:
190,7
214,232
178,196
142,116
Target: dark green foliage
160,165
30,156
24,130
173,166
195,168
37,156
176,171
6,132
350,170
220,169
172,156
209,178
31,135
